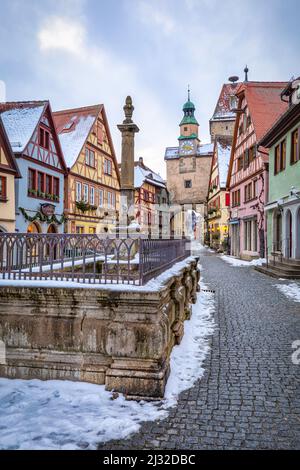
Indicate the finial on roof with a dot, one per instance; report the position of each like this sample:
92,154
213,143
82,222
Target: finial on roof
189,91
246,70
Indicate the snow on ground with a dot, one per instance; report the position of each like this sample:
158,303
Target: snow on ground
292,291
75,415
241,263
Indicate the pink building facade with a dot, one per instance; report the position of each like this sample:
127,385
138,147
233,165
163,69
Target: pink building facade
259,105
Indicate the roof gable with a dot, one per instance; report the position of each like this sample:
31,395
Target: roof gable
20,120
265,106
73,127
223,109
144,174
9,156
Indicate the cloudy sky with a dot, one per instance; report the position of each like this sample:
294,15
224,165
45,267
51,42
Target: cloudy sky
82,52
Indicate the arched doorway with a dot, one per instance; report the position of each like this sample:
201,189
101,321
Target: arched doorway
289,234
51,248
34,227
51,229
277,231
33,244
298,233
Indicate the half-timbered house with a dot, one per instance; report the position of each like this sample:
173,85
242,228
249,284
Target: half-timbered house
218,197
93,182
259,105
40,192
8,172
151,200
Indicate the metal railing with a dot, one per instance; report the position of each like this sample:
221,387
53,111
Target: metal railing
280,249
87,258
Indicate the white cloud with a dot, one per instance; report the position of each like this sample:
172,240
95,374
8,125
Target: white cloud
151,14
62,34
88,74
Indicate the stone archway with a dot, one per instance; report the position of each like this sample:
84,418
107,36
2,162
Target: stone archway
277,230
297,238
289,234
52,229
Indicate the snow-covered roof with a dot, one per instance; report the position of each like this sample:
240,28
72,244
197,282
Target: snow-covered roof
143,174
224,152
73,140
20,124
203,149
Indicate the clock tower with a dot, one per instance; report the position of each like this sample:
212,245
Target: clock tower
188,171
188,139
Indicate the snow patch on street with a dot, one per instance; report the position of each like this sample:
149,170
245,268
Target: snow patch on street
292,291
75,415
241,263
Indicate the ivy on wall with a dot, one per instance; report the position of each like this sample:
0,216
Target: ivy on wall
43,218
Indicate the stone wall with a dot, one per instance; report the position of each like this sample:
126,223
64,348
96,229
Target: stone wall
118,337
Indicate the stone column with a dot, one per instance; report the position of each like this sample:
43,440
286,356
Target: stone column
128,129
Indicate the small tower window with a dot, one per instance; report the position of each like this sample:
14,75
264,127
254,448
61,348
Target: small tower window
185,128
188,184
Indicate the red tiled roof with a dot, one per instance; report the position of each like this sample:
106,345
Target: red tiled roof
62,118
265,104
223,108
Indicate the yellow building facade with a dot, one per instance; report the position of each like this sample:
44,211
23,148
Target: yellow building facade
92,189
8,172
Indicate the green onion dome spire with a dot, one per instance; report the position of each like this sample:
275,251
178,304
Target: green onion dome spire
189,110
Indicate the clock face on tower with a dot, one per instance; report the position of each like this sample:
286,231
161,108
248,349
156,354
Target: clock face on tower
186,147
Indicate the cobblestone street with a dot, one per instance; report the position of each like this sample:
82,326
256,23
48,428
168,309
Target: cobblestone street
249,396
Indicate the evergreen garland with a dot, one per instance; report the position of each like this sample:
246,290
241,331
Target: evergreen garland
43,218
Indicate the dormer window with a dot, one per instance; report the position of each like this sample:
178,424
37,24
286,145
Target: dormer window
232,102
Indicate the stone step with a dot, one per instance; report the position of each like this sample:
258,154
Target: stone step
277,272
293,268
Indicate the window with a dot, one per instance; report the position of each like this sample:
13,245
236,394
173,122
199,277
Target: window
107,167
185,128
294,147
42,185
40,182
2,188
248,121
280,157
255,183
241,130
92,230
79,229
48,184
248,235
86,193
100,197
227,199
246,159
188,184
240,163
248,192
113,200
146,195
31,179
252,153
236,198
78,191
89,157
92,195
56,187
233,102
109,199
44,139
